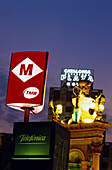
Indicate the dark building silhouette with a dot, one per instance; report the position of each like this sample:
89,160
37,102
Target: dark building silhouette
6,150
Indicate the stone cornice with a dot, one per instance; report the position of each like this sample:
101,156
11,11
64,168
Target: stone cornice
96,125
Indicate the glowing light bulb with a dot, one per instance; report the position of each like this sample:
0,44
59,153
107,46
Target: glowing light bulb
59,108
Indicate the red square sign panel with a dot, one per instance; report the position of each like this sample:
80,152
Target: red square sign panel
27,80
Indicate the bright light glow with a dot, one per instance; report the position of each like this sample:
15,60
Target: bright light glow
74,101
87,120
89,108
68,83
101,107
85,103
73,84
94,115
59,109
92,105
37,108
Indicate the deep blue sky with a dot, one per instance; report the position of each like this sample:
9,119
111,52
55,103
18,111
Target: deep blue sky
77,33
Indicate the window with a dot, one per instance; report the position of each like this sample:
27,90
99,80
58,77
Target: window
105,152
69,109
56,95
69,96
105,165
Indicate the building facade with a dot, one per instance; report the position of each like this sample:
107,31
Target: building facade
63,96
82,137
106,156
6,151
81,113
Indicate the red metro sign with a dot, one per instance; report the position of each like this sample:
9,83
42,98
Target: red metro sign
27,80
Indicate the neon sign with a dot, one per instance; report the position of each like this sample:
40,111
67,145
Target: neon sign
32,138
70,77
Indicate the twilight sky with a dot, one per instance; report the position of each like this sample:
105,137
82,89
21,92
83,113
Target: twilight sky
76,33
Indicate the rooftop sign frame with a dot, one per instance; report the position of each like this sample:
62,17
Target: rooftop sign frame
71,76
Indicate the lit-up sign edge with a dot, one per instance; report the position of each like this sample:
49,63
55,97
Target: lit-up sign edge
45,77
37,108
31,158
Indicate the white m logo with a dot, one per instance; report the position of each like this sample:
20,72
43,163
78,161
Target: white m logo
26,70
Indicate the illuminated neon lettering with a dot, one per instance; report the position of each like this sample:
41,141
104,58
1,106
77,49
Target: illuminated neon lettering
32,138
83,76
71,76
68,83
65,70
76,78
63,77
68,78
73,84
90,78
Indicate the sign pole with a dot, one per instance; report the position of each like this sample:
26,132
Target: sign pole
26,115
